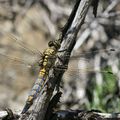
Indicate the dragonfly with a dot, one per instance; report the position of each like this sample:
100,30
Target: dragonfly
45,62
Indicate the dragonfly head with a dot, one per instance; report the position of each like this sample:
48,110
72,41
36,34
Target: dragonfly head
55,44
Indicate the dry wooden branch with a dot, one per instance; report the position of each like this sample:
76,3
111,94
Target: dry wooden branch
39,107
73,114
100,22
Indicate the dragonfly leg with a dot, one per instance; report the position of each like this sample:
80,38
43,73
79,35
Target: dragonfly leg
61,67
61,59
62,50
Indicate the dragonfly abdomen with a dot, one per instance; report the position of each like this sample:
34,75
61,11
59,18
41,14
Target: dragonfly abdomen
37,87
33,93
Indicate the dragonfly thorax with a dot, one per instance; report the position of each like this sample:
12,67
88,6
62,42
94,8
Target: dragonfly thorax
50,51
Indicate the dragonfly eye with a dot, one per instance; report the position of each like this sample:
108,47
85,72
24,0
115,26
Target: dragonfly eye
54,43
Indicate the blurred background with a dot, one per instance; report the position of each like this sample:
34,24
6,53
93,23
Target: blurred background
93,78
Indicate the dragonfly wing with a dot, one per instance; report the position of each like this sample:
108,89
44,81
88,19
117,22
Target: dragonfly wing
21,52
83,64
28,48
89,54
17,43
14,64
14,60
